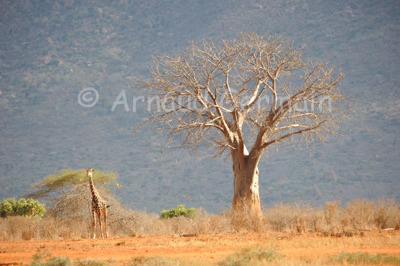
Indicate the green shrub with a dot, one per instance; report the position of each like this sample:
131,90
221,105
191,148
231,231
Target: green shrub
366,258
88,262
45,258
251,256
22,207
153,261
178,211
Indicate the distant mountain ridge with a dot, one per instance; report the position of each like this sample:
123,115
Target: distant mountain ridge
51,50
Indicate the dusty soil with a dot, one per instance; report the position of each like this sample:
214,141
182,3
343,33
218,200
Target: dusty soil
204,249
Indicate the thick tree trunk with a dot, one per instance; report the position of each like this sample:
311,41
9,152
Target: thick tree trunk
246,188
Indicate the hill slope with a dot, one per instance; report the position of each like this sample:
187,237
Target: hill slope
51,50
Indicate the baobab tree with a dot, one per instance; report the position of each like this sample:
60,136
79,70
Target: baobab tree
244,96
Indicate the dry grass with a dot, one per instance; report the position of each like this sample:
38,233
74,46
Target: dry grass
357,215
69,218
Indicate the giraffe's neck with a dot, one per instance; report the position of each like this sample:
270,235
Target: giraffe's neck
92,188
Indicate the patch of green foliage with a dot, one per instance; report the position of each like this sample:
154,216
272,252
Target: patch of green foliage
251,256
80,262
366,258
22,207
178,211
45,258
60,179
153,261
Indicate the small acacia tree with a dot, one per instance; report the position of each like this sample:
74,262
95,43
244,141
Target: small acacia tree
255,91
61,182
67,192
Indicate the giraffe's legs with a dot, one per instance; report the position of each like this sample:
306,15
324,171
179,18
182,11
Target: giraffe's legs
105,220
101,225
94,223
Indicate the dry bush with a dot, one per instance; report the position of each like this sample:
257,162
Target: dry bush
179,226
18,228
244,218
3,230
71,214
366,215
69,218
360,214
302,218
120,222
213,224
334,218
204,223
27,228
387,214
151,224
285,217
144,224
48,229
281,217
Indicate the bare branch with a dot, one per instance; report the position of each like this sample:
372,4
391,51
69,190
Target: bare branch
212,92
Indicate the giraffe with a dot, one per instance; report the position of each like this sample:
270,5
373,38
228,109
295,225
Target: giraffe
99,205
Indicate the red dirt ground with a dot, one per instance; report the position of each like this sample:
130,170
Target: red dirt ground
207,249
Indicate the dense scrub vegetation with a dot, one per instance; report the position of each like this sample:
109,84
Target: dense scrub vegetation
68,214
69,218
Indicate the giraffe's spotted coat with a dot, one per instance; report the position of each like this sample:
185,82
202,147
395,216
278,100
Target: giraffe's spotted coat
99,206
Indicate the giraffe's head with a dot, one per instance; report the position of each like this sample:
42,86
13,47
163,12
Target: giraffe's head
89,172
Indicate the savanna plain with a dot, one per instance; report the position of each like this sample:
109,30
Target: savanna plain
360,232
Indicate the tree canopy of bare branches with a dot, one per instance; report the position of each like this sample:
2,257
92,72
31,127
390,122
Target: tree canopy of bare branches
254,91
